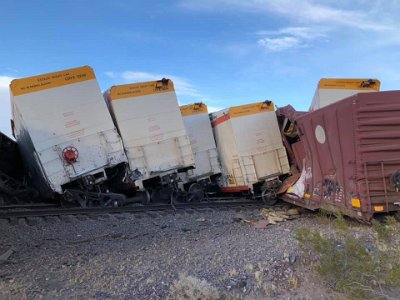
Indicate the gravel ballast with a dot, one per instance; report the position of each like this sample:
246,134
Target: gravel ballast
143,256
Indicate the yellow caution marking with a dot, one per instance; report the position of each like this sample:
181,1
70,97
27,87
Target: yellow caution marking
141,89
51,80
231,181
348,84
250,109
193,109
355,202
378,208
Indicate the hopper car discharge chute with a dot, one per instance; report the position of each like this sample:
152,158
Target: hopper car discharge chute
157,146
250,149
347,155
203,180
67,138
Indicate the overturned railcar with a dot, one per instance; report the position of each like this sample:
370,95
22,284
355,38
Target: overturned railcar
148,117
250,149
347,155
66,136
204,178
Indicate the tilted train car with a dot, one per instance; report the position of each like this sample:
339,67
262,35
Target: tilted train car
330,90
150,123
204,177
13,188
250,148
66,136
347,154
10,158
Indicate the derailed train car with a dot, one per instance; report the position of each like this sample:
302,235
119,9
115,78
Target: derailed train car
250,149
204,178
67,138
149,120
330,90
13,188
347,154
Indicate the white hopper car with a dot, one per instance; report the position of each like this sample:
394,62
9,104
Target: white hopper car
250,149
150,123
331,90
204,177
66,136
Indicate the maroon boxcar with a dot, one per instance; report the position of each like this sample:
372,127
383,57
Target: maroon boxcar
347,155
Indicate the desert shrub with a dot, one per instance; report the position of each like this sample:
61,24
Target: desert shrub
347,265
385,230
189,287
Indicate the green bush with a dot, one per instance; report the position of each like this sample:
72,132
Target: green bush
385,230
346,263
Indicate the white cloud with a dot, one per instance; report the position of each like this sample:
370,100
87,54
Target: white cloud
110,74
314,19
306,11
5,111
183,86
5,82
306,33
290,37
302,11
280,44
213,108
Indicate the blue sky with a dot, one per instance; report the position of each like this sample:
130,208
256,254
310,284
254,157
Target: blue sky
222,52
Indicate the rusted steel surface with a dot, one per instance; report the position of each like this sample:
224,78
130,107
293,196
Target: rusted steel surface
287,116
348,154
289,112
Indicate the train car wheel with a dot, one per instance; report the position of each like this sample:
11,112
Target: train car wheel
145,197
268,196
195,193
155,195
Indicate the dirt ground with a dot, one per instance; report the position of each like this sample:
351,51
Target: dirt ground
206,254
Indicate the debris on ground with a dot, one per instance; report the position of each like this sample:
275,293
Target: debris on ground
293,212
6,255
270,217
260,224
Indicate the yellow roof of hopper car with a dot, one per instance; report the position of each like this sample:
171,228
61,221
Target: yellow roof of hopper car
193,109
250,109
51,80
349,84
140,89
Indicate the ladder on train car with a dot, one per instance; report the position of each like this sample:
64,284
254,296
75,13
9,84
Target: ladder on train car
379,184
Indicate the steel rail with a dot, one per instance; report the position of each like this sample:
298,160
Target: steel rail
127,209
29,206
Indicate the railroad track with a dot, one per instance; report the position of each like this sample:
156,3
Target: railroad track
28,206
41,211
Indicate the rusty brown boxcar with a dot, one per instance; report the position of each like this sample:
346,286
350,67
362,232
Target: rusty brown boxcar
347,155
